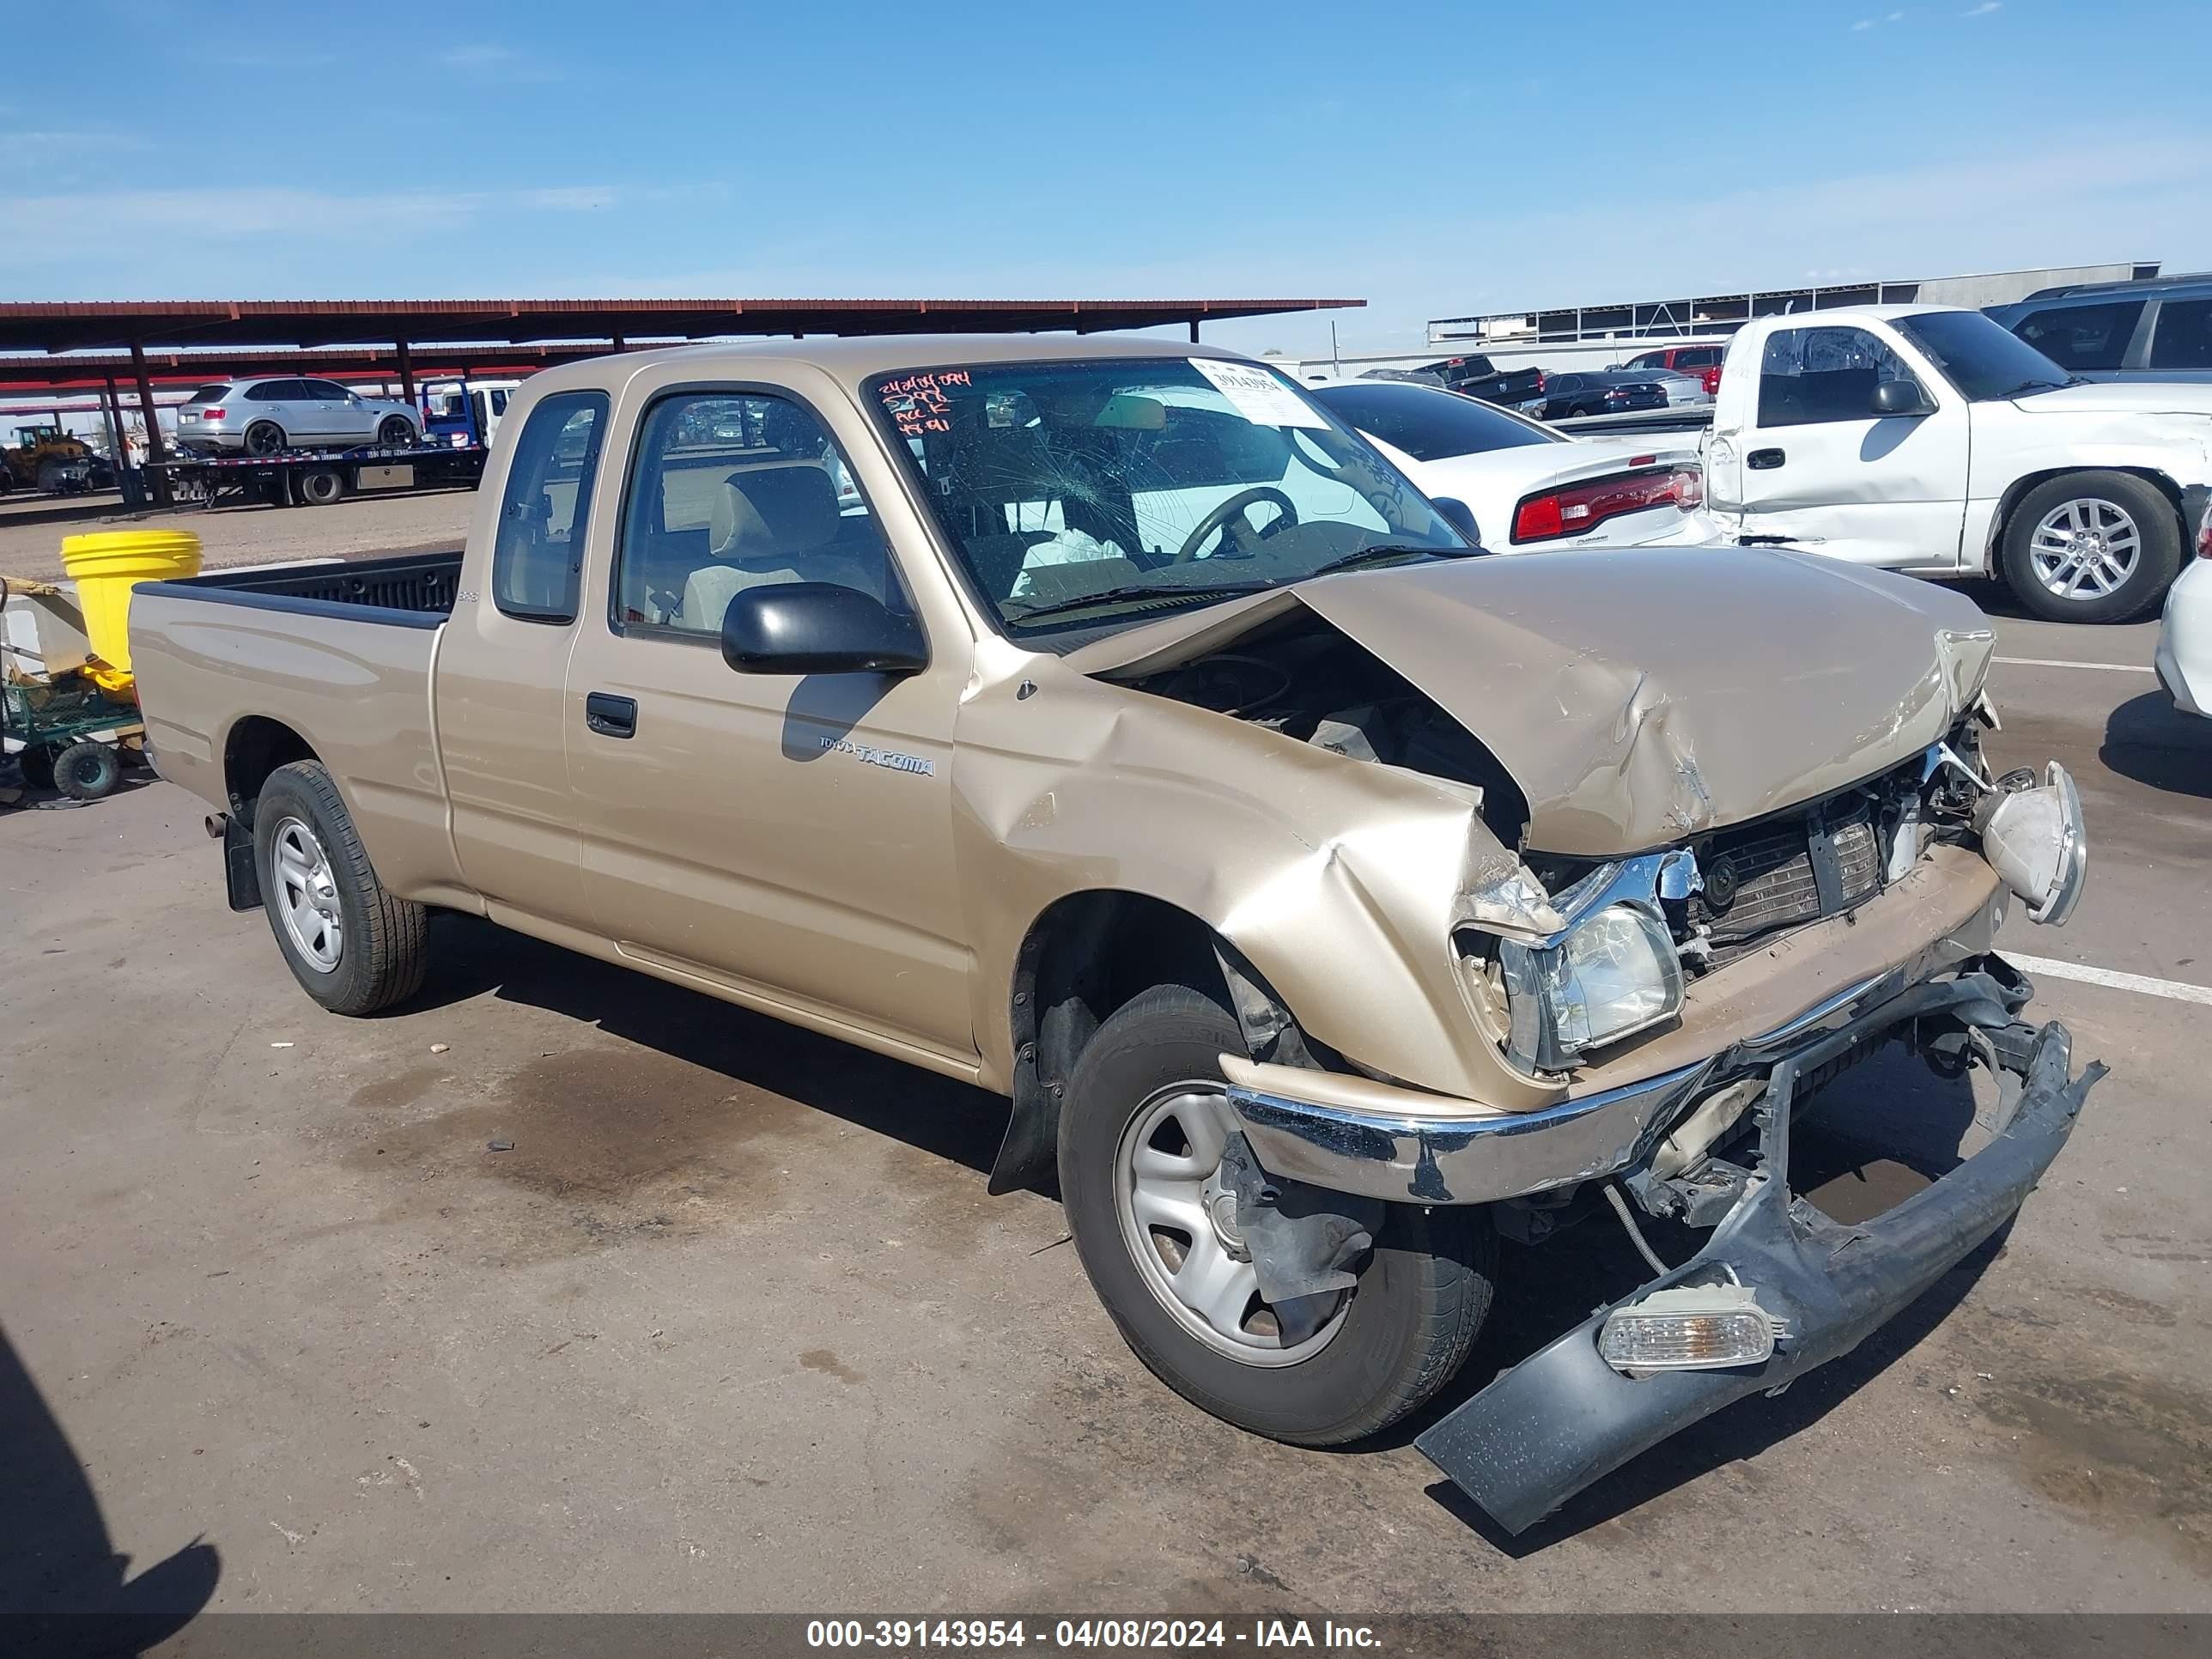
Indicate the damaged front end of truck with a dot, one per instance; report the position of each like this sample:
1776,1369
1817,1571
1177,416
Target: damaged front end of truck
1699,889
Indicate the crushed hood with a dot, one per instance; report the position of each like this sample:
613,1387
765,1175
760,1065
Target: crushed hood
1639,696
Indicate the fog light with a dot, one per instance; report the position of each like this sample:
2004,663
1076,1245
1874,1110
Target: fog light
1690,1328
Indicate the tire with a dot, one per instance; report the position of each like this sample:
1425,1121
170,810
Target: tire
88,771
2134,528
395,432
264,438
324,486
1423,1291
379,948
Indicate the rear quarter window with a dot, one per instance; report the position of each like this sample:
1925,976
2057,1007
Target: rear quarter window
2184,339
536,561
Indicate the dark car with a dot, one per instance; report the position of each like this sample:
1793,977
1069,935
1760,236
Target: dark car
2159,329
1600,391
1478,377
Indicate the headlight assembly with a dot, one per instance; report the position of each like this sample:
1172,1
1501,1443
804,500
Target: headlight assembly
1610,973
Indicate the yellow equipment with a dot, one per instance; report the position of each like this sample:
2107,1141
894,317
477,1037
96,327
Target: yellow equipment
41,453
106,566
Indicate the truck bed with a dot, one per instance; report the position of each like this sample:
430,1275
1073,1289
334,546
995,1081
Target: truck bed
410,589
241,670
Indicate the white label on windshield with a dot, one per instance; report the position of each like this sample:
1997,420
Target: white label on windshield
1257,394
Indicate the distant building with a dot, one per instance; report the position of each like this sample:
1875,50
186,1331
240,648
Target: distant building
1673,321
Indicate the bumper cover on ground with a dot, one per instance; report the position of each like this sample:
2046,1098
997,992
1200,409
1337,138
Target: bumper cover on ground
1564,1417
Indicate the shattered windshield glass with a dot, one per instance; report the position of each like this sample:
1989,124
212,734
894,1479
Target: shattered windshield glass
1109,490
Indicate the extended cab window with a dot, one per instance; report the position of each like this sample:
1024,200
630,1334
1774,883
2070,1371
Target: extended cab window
2083,336
537,561
734,490
1810,375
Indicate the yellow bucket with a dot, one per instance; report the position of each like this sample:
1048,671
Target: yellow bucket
107,565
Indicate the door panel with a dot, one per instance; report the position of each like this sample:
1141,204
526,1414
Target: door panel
1819,468
501,674
790,836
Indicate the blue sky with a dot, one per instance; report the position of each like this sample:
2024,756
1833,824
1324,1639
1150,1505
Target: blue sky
1433,159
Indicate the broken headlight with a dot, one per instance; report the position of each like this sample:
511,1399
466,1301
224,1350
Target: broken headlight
1612,974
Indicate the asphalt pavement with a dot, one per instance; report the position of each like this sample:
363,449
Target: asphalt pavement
733,1324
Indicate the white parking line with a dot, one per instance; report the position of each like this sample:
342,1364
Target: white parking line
2172,989
2053,662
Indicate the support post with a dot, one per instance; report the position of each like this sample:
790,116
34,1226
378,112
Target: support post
1193,330
406,374
156,451
111,414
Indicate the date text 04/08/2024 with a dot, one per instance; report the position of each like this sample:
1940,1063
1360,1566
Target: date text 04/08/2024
902,1634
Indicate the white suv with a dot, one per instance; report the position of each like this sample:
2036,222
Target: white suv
264,417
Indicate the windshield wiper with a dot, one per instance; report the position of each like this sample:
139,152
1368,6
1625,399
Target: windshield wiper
1137,591
1353,560
2040,386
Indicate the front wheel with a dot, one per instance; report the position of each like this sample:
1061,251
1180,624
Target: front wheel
2092,547
1141,1136
353,947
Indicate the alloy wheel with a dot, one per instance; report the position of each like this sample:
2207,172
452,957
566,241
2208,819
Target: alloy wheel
2084,550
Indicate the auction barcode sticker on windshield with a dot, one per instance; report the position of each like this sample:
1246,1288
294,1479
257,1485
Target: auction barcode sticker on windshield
1258,394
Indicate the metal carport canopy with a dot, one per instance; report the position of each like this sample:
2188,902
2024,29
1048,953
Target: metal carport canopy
61,326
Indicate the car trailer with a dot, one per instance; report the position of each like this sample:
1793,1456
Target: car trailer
321,477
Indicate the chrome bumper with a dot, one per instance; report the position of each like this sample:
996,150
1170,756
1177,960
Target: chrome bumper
1479,1160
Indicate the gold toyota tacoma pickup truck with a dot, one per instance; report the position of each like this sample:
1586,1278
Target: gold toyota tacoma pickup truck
1105,723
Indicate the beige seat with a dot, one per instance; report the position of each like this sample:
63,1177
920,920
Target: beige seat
771,524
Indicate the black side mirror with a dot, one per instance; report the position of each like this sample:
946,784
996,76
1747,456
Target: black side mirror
819,627
1901,397
1460,516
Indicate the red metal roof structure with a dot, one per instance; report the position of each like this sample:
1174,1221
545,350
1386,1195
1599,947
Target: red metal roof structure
40,325
52,345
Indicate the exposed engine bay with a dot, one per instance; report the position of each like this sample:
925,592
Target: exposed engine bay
1304,679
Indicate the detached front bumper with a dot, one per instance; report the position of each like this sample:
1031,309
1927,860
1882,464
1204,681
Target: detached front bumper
1564,1417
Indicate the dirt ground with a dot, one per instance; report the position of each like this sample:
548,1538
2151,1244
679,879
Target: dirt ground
733,1324
31,528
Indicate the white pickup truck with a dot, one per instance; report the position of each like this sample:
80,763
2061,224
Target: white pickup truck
1928,440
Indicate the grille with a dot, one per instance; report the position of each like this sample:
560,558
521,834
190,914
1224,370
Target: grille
1776,880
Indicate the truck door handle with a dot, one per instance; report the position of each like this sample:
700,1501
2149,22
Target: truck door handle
611,716
1764,460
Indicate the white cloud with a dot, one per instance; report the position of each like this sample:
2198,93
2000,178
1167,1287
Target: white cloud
1864,23
50,231
1984,9
487,61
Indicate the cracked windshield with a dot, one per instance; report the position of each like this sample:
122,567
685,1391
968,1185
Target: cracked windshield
1097,494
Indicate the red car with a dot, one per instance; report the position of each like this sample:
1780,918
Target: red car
1702,360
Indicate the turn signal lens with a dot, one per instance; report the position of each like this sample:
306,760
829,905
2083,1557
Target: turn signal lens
1685,1328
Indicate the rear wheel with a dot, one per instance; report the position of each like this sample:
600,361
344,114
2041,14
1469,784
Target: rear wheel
1141,1136
395,433
2092,547
88,771
353,947
321,486
264,438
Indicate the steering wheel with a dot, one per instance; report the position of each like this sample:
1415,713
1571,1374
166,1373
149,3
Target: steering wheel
1220,518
